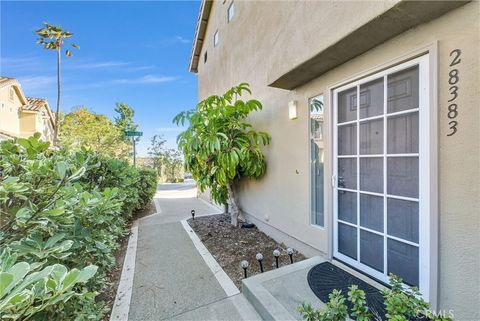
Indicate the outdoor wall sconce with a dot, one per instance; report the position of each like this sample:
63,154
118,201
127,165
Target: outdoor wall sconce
259,258
290,253
193,214
276,254
292,109
244,265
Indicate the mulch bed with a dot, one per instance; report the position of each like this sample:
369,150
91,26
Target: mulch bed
230,245
115,273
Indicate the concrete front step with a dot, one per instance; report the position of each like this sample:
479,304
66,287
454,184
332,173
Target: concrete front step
276,294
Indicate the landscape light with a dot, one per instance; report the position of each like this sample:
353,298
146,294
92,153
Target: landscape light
193,214
276,254
290,253
244,265
259,258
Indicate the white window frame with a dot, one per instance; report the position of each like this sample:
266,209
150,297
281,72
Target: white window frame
231,7
216,38
427,178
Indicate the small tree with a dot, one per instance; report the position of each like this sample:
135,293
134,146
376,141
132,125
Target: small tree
124,121
220,147
53,38
156,152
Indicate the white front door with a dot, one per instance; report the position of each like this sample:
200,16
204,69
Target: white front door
381,161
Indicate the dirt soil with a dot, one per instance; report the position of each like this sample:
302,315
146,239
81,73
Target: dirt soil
230,245
116,272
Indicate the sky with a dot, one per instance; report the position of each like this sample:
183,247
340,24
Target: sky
134,52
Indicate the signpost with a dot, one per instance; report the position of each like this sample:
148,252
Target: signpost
133,134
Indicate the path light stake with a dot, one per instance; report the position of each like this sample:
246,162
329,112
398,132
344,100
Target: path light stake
276,253
259,258
244,265
193,214
290,253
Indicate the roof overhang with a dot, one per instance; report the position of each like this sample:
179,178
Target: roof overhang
205,8
401,17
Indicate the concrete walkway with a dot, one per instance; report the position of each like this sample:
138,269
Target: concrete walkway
171,279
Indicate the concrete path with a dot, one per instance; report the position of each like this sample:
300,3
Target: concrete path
171,279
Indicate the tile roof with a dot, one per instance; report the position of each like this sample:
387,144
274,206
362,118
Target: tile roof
34,104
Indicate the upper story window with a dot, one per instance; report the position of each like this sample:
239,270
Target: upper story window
11,94
215,39
205,57
231,11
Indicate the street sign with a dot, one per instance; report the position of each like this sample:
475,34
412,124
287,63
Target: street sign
132,134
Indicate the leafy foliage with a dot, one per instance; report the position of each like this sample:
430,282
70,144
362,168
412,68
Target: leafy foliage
53,38
401,304
82,128
219,146
62,213
124,121
167,163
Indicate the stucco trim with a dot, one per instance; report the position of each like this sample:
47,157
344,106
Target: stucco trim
205,8
401,17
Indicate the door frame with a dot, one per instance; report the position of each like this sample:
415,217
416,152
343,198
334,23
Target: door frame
428,188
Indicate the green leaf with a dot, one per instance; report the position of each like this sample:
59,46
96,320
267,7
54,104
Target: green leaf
70,279
54,212
87,273
61,169
6,279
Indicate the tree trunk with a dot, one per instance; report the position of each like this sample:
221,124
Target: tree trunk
57,112
233,209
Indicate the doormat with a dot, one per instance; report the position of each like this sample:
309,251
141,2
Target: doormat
326,277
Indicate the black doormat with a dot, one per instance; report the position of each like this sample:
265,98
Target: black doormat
326,277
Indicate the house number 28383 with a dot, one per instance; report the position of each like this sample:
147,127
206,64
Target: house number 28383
453,81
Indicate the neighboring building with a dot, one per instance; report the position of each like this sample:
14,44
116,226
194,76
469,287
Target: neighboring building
21,116
392,186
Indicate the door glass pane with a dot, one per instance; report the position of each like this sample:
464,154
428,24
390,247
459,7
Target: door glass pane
402,176
403,90
371,174
347,139
371,212
347,173
371,137
347,105
316,160
347,206
347,240
402,260
371,250
371,98
402,219
402,133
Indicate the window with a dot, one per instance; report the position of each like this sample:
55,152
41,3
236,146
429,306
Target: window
205,57
231,11
12,94
316,161
215,39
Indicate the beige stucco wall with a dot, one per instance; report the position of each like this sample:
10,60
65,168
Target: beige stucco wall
28,121
266,39
9,111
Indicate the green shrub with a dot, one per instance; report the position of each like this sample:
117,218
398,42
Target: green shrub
62,213
401,304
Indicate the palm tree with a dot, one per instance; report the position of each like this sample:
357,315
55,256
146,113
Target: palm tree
53,38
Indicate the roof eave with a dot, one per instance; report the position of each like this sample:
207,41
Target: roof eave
200,30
